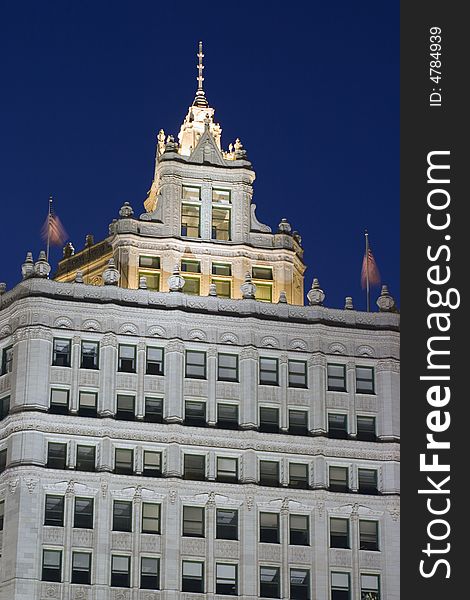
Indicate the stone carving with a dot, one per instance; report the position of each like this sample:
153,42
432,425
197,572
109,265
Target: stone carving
197,334
111,275
269,342
337,348
142,282
340,558
282,297
156,331
41,267
256,225
13,485
63,323
91,325
385,301
348,303
126,211
172,495
316,295
248,288
365,351
298,344
129,329
229,338
104,488
176,281
50,590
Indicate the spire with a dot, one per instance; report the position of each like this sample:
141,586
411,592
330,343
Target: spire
200,98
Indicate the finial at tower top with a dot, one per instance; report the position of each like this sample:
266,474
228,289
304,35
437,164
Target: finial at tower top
200,98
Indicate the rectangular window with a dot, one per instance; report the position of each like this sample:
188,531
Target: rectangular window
193,577
54,511
120,571
192,286
195,364
122,515
83,513
298,476
226,524
268,371
150,518
223,288
269,419
366,429
61,353
154,361
298,422
269,473
190,266
367,481
194,467
3,459
227,367
299,530
195,413
87,404
227,469
339,479
221,217
90,355
193,521
269,528
227,416
149,262
59,402
368,535
149,573
370,587
4,407
151,279
264,292
226,579
262,273
52,565
191,220
124,461
2,514
222,196
153,410
299,584
152,464
191,193
365,380
339,533
127,358
337,426
86,458
336,378
297,374
340,586
56,455
125,408
270,582
222,269
7,360
81,567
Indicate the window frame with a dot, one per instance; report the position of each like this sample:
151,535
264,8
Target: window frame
58,578
297,482
148,579
277,582
196,206
125,414
342,589
269,425
89,515
262,370
336,388
189,352
235,378
7,360
88,469
303,385
86,411
303,535
160,363
149,471
370,380
68,354
124,471
338,538
64,447
188,456
265,481
371,544
51,521
338,433
96,355
59,408
366,435
87,579
228,423
230,527
269,534
133,360
158,519
127,574
339,487
365,488
191,526
127,519
303,588
227,478
224,591
197,420
202,577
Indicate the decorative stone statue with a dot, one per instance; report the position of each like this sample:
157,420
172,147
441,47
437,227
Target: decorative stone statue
142,282
89,240
41,267
248,288
79,277
282,298
27,268
316,295
212,289
3,288
284,227
69,250
348,303
111,275
385,301
176,281
126,211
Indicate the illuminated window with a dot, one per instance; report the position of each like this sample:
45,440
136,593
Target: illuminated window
221,218
222,196
192,194
152,279
223,287
262,273
190,266
222,269
191,220
149,262
192,285
150,269
264,292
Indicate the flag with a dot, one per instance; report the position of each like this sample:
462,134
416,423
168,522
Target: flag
369,268
53,230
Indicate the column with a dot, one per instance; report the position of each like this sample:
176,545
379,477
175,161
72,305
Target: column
317,383
76,350
249,569
284,531
387,374
320,567
108,368
249,388
141,368
284,389
211,408
206,211
354,538
351,387
174,380
210,537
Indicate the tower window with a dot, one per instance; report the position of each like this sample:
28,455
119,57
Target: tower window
154,361
367,481
122,515
86,457
339,479
297,373
264,292
298,476
56,455
222,196
152,279
337,426
125,407
192,286
4,407
190,266
90,355
190,220
193,521
87,402
336,378
149,262
227,367
52,565
194,467
366,429
269,528
192,194
262,273
269,473
221,218
61,353
195,364
222,287
150,518
222,269
368,535
153,410
124,461
370,588
227,469
7,360
152,464
365,380
227,416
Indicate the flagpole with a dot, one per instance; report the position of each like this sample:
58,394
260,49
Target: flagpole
48,228
367,271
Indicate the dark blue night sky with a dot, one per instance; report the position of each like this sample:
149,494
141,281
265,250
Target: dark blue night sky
311,89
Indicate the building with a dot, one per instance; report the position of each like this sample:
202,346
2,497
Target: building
175,423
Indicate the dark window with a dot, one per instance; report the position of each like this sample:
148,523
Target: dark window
86,458
154,361
120,571
54,511
154,410
149,262
193,521
87,404
370,587
368,535
150,518
126,359
299,584
195,413
81,567
226,579
227,367
268,371
195,364
124,461
122,515
227,524
149,572
221,269
262,273
269,528
190,220
366,429
227,416
193,577
90,355
61,353
83,513
59,402
339,533
298,476
367,481
152,464
299,530
337,426
52,565
56,455
365,380
269,473
340,586
270,582
269,419
7,360
194,467
227,469
4,407
337,378
297,373
2,513
125,408
190,266
298,422
339,479
3,459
